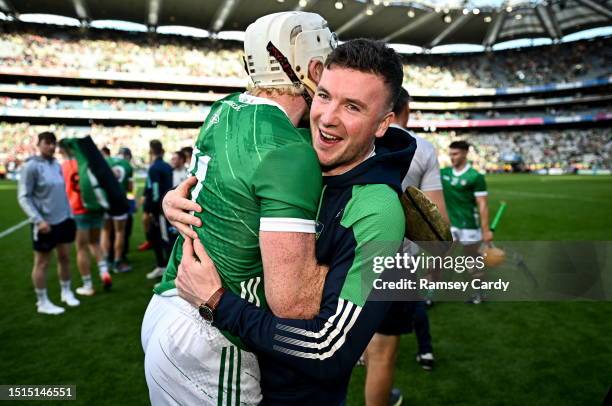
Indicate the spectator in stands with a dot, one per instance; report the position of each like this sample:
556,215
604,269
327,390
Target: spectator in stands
106,51
160,233
42,196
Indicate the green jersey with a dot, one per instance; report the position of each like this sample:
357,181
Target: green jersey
256,172
460,192
123,171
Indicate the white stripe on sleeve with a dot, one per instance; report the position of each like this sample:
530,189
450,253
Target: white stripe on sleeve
287,224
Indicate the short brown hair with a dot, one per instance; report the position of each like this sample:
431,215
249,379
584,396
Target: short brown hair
47,136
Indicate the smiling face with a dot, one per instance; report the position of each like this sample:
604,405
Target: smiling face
349,111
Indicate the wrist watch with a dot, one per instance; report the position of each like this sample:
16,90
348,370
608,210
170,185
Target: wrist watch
207,309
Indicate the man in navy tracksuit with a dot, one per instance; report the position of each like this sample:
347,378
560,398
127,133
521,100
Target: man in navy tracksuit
310,361
159,181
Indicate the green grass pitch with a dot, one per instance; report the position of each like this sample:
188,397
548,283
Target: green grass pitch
495,353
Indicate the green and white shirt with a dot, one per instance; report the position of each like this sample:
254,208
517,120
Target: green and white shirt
256,172
123,171
460,191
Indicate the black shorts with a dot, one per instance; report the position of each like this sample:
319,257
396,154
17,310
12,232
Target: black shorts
398,320
62,233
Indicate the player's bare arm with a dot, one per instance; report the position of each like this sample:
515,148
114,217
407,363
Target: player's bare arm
483,209
293,280
437,197
199,279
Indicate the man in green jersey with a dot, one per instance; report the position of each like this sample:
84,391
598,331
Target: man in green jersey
465,194
123,172
259,203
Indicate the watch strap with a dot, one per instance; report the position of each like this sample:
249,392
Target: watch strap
214,300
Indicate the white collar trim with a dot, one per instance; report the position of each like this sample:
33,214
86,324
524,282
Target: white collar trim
250,99
461,172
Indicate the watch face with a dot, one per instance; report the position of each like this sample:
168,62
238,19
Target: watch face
206,313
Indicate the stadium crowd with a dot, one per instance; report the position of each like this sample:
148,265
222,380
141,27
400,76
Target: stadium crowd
569,150
104,50
56,103
511,68
18,141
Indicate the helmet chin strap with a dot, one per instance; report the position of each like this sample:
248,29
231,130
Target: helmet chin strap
286,67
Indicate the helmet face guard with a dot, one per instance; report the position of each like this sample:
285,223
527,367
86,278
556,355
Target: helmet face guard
286,67
279,48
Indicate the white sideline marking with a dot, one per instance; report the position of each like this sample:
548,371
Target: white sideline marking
14,228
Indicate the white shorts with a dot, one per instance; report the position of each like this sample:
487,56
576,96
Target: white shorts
117,218
189,362
467,236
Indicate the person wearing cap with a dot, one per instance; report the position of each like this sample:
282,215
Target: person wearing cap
258,180
42,196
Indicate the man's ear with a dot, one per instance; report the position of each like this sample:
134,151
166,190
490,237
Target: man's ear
315,69
384,124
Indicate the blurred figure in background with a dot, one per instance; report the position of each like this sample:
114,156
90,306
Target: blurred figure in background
158,230
126,153
188,151
88,226
179,170
113,249
42,196
466,196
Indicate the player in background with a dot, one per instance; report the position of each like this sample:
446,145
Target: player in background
179,170
465,194
159,232
188,151
88,226
258,185
42,196
403,317
126,153
116,224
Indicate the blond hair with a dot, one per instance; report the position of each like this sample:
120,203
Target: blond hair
280,90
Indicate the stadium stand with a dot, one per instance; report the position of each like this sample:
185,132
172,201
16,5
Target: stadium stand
569,150
520,111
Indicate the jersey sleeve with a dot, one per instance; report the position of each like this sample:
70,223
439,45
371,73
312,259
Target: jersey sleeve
129,172
431,175
26,185
288,184
327,347
480,186
377,221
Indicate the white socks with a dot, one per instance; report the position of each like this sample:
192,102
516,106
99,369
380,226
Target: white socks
41,296
103,266
65,286
87,282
